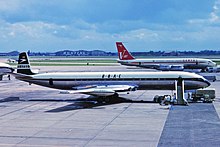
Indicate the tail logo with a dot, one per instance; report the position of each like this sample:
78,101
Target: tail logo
123,54
22,60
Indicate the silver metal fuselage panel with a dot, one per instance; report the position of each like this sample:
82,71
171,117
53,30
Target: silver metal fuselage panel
186,63
142,85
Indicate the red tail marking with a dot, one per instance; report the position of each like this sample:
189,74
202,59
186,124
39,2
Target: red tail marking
123,53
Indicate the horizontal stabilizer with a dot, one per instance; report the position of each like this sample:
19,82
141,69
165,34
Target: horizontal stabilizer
21,76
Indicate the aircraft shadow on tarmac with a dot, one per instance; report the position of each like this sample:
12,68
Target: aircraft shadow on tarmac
85,103
92,102
81,103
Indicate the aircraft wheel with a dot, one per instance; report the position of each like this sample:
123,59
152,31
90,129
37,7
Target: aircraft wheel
104,99
107,99
115,95
100,100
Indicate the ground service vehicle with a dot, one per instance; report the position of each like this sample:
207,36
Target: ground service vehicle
204,95
199,95
213,69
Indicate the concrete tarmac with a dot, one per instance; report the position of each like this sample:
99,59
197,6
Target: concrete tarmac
32,115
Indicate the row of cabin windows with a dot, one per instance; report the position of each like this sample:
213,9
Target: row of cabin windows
121,79
110,76
51,81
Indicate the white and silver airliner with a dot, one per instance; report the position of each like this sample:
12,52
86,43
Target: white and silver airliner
4,69
107,83
164,64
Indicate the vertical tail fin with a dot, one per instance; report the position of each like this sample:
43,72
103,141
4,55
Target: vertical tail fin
24,66
123,53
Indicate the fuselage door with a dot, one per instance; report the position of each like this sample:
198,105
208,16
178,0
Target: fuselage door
51,81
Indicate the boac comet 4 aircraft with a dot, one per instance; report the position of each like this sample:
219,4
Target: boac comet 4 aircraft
106,84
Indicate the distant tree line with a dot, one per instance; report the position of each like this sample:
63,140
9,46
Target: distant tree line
177,53
104,53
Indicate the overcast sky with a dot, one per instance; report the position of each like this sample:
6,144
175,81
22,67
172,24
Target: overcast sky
143,25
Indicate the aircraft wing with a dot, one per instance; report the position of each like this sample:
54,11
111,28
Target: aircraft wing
102,90
21,76
167,67
153,66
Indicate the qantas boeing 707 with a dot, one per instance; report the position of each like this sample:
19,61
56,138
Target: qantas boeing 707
164,64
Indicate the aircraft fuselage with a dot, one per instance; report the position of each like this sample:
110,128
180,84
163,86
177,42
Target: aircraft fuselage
156,63
143,80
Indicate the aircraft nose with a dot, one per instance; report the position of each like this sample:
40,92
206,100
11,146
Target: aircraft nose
207,83
12,69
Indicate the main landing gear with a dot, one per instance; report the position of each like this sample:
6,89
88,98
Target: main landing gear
107,99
